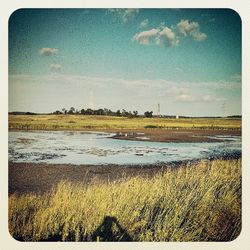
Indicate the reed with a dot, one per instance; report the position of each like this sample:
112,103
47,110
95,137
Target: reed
201,202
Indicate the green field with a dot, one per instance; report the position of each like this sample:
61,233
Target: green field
190,203
84,122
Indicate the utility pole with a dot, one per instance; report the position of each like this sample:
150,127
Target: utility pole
223,107
158,110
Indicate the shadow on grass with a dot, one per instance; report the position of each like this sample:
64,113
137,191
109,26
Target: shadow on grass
111,230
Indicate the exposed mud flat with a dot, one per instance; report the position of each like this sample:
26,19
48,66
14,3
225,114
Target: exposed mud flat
38,178
175,135
41,177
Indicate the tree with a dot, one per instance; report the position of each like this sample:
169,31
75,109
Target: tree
105,111
109,112
135,113
124,112
130,115
89,111
118,113
71,111
83,111
148,114
99,112
64,111
57,112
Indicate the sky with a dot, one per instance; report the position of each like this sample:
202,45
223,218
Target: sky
186,60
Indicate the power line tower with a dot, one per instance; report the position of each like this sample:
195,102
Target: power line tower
223,107
158,109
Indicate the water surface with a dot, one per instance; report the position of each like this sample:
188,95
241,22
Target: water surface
99,148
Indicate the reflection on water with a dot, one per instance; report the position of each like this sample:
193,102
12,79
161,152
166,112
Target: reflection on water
99,148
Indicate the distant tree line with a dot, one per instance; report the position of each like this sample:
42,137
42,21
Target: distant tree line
105,111
122,113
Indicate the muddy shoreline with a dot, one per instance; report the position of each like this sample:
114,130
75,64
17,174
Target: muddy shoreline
41,177
175,135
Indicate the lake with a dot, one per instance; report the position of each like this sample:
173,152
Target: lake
100,148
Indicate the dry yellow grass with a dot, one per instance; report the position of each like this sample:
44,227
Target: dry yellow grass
191,203
83,122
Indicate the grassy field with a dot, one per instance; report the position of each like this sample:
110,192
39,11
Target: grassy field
80,122
190,203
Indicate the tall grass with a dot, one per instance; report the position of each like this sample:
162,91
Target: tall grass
191,203
82,122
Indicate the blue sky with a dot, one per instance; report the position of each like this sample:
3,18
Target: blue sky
188,60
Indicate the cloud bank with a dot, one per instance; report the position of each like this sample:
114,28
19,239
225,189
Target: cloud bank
140,94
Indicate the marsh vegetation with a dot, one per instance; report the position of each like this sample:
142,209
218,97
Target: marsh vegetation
190,203
93,122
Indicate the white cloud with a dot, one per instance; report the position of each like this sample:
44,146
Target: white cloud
48,51
125,14
145,36
136,86
192,29
190,92
170,36
209,98
144,23
174,90
167,37
185,98
198,36
168,88
196,98
233,85
186,28
55,67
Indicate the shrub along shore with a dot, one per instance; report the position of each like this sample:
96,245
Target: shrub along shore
201,202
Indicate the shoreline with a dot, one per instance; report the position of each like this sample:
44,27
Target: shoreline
38,178
41,177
